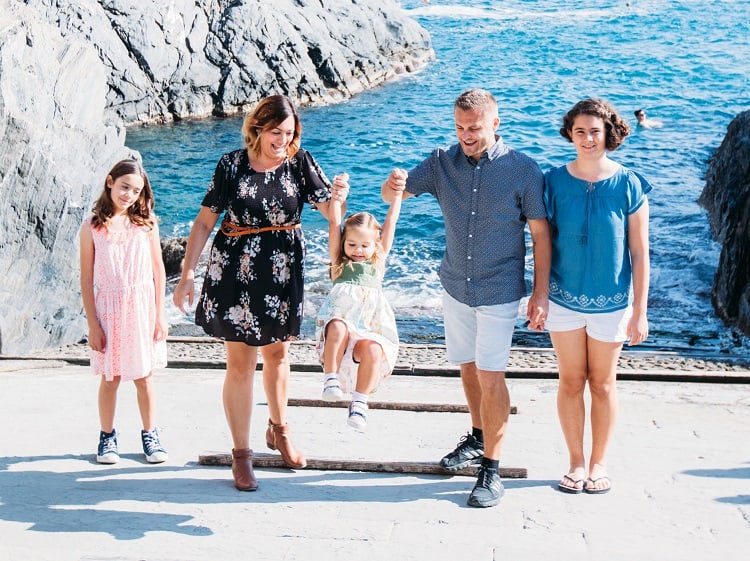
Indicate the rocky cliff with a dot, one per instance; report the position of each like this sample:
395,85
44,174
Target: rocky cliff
186,58
726,197
74,73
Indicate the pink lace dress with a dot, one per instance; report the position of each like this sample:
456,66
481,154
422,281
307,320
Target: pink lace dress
126,304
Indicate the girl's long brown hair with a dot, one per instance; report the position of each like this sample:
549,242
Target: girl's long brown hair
366,221
140,213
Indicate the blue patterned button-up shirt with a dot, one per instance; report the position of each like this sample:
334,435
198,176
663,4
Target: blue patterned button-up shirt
485,206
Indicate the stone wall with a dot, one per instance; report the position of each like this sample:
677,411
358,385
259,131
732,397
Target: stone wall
726,197
74,73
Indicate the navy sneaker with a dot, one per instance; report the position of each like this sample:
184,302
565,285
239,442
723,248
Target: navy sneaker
107,451
468,452
488,489
152,448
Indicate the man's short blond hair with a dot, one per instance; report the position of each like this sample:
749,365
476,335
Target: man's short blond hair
476,100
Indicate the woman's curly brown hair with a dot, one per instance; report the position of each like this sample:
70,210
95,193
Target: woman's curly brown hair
616,129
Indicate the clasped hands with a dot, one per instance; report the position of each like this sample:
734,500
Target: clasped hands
340,188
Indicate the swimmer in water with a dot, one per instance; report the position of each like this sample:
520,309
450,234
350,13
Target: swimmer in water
644,122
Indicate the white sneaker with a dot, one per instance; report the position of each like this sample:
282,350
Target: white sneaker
358,415
332,390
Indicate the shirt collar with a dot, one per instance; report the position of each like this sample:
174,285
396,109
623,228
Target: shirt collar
498,149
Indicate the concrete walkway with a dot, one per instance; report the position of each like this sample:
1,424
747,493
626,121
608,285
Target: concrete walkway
680,466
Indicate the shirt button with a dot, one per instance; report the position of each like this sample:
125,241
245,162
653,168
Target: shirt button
473,213
471,235
469,257
469,279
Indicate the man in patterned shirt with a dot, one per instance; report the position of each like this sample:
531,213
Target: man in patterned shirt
487,193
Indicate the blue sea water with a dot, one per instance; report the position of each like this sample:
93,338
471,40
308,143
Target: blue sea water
687,63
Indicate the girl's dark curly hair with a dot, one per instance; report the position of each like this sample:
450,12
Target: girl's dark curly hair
616,129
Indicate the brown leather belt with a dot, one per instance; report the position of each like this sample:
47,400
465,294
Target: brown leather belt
233,230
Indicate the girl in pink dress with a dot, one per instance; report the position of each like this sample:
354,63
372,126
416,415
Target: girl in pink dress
122,284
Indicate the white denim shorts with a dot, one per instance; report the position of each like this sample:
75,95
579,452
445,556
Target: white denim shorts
609,327
482,335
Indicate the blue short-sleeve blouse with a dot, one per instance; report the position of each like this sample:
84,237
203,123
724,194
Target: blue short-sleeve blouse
591,270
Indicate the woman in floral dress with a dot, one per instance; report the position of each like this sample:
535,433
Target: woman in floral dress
253,290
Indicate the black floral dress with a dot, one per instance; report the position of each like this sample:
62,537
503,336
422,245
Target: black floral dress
253,289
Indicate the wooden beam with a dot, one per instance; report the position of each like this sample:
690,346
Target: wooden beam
275,461
391,405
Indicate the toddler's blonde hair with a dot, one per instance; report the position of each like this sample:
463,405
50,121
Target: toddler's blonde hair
366,221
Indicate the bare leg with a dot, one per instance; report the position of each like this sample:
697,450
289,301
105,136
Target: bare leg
144,388
108,403
276,371
473,392
494,410
602,359
238,391
570,347
369,355
337,337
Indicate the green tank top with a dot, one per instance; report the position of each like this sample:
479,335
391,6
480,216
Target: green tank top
363,273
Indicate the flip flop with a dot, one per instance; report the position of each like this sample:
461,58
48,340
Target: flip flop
589,482
572,489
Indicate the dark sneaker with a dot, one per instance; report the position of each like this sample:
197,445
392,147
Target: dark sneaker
468,452
152,447
107,451
488,490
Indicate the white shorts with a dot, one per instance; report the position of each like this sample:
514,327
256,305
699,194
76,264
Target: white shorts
482,335
609,327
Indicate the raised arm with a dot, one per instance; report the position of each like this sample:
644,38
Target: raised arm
335,216
395,184
388,231
339,192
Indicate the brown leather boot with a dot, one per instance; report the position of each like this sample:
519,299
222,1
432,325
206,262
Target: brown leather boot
277,438
242,470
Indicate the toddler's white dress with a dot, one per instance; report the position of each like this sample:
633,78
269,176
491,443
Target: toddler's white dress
357,298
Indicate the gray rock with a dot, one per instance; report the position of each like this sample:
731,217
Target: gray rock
190,58
54,152
726,197
74,73
173,252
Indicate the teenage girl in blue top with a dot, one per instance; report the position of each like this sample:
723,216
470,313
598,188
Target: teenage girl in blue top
598,214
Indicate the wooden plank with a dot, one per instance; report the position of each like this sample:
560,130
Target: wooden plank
275,461
391,405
